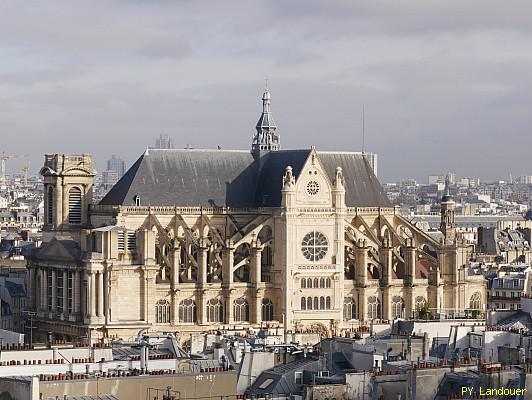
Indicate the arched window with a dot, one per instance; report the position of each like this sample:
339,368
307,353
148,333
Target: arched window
241,310
350,310
267,310
215,311
309,303
316,303
328,283
187,311
398,306
322,283
136,199
474,303
303,283
303,303
374,307
162,312
309,283
74,206
420,303
316,283
328,302
322,303
50,205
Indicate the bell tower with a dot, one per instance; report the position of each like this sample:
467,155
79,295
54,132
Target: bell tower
447,220
68,181
266,138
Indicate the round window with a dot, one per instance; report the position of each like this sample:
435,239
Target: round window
313,188
314,246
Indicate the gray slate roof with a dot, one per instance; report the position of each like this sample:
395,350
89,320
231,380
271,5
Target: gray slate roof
233,178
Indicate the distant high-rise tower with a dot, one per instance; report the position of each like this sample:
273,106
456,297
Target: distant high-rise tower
117,165
266,138
164,142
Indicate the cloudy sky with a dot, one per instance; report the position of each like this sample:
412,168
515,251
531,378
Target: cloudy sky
446,85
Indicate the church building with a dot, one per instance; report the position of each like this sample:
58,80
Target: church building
191,240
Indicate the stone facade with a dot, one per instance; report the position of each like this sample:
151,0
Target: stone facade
311,263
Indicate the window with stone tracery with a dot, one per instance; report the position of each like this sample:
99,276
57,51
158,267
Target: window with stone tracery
215,311
162,312
241,310
187,311
267,310
374,308
349,308
398,306
314,246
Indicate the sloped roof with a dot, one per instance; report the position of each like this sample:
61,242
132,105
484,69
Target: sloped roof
189,177
62,250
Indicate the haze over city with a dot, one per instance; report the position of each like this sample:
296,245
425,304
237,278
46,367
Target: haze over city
445,86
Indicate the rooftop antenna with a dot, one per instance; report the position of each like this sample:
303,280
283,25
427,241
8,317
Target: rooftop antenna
363,128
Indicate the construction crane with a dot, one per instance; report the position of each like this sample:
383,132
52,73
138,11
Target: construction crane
3,158
25,170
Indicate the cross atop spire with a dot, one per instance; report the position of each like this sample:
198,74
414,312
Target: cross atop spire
266,138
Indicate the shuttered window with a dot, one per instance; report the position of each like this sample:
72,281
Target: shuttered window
74,206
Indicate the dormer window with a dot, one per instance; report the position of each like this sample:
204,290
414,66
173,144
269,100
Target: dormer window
136,199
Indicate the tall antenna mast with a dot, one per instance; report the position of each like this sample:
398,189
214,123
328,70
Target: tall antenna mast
363,128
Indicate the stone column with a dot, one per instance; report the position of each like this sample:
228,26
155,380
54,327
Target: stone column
256,261
229,307
83,294
256,315
410,277
361,263
100,294
92,297
175,259
202,262
386,256
202,307
106,288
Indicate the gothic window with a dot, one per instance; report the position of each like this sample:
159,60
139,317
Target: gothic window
474,303
136,199
322,303
309,303
303,283
267,256
374,307
241,310
328,302
50,205
420,303
303,303
74,206
215,311
350,310
187,311
162,312
314,246
397,307
267,310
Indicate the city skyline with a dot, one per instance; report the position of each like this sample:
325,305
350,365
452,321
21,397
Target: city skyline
443,87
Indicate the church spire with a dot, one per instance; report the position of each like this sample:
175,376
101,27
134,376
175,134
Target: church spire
266,138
